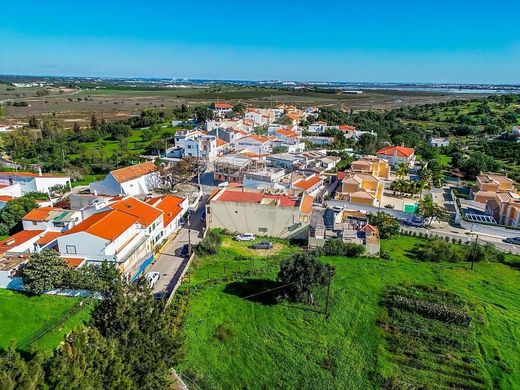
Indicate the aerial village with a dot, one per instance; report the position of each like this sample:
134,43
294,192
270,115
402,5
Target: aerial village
264,175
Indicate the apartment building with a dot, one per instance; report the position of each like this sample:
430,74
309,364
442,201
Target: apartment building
489,184
361,189
372,165
270,213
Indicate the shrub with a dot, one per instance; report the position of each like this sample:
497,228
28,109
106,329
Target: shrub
337,247
210,245
439,250
384,255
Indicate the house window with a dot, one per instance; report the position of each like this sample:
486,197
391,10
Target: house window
262,230
35,223
70,249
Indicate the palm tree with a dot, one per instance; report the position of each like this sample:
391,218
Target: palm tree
402,171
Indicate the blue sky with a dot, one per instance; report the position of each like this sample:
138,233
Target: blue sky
432,41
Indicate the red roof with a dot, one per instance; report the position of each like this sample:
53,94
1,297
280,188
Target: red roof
221,142
5,198
41,214
287,133
400,151
223,105
256,197
346,128
292,116
306,204
341,175
18,239
133,172
48,238
145,213
74,262
29,174
170,205
306,184
107,224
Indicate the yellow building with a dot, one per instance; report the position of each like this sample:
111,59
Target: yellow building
361,188
489,184
505,208
372,165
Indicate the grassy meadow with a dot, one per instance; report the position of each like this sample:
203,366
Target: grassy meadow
21,316
233,337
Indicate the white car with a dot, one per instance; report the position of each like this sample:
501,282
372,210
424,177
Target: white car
245,237
224,184
152,278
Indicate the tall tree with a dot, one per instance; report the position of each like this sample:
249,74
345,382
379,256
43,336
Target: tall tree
430,210
44,271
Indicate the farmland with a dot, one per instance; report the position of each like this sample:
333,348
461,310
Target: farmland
233,337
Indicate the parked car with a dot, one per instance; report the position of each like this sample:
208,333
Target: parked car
417,222
152,278
185,250
337,209
513,240
262,245
245,237
224,184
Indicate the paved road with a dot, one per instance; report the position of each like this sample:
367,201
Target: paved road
169,264
465,236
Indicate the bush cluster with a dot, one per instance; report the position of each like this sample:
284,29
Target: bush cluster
210,245
337,247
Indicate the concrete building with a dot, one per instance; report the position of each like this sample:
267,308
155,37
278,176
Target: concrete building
361,189
195,143
439,142
232,168
16,184
397,155
489,184
221,109
50,219
269,213
372,165
257,144
134,180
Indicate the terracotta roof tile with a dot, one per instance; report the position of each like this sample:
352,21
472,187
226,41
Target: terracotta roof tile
400,151
145,213
18,239
306,184
42,214
48,237
108,224
123,175
170,205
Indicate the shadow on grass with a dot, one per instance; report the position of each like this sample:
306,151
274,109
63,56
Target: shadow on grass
256,290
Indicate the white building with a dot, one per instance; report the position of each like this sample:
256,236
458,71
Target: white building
195,143
134,180
50,219
257,144
16,184
397,155
439,142
221,109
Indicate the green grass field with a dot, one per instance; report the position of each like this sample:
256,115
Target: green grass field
21,316
233,340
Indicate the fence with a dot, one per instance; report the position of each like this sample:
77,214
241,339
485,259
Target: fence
50,326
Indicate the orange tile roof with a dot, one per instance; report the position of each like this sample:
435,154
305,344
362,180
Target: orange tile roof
308,183
292,116
346,128
48,238
145,213
29,174
170,205
401,151
41,214
123,175
287,133
306,204
5,198
259,138
221,142
18,239
74,262
108,224
222,105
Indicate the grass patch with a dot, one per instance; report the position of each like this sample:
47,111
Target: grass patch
21,316
231,339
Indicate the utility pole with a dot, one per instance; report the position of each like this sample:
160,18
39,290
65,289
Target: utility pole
328,293
189,233
474,252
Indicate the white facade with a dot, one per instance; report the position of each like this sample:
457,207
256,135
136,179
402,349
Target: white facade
255,144
22,183
439,142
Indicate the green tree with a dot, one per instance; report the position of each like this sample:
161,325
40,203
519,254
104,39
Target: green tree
430,210
147,135
16,373
301,273
387,225
13,212
203,114
44,271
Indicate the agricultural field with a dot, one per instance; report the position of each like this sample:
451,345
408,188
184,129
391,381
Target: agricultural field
397,323
23,316
70,105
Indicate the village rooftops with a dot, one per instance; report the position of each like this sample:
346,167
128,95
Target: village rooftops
108,224
45,214
123,175
267,198
144,212
494,178
234,160
222,105
170,205
399,151
18,239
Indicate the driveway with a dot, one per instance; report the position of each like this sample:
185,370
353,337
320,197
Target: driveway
169,264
